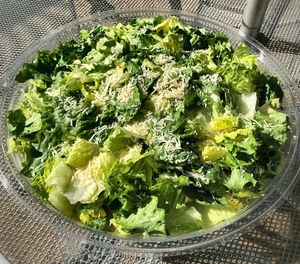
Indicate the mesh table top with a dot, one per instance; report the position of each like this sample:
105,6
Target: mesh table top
25,239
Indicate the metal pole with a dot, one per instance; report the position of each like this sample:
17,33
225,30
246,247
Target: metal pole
253,17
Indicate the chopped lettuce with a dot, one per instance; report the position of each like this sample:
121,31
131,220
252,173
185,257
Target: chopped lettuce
148,220
59,174
213,153
84,186
241,71
169,190
56,181
17,120
246,104
238,179
149,128
33,124
213,214
92,215
60,202
119,139
183,220
224,123
89,182
81,152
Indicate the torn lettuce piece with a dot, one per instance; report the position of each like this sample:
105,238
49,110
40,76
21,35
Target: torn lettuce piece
60,202
81,152
224,123
183,220
34,101
16,119
246,104
33,124
169,24
138,128
148,220
75,80
205,58
132,154
242,55
87,183
57,176
119,139
240,73
168,189
213,214
213,153
235,134
92,215
274,124
238,179
84,187
173,42
197,126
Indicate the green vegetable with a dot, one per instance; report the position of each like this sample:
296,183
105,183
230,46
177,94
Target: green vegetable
57,174
213,214
89,182
56,178
150,128
148,220
81,152
238,179
17,121
184,220
92,215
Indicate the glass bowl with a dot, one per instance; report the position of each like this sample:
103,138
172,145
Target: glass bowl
78,235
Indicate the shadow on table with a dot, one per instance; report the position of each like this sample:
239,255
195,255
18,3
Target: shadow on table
282,46
175,4
100,5
273,24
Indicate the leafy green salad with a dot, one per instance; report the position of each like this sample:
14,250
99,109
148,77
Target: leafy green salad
148,128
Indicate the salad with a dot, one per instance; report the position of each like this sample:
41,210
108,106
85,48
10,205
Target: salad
148,128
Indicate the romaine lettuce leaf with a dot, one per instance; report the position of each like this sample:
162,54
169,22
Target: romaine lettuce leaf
81,152
213,153
57,174
240,73
148,220
17,121
238,179
274,123
246,104
183,220
60,202
173,42
92,215
213,214
169,24
55,181
119,139
168,189
224,123
87,183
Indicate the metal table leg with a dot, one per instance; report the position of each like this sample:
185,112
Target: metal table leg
253,17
